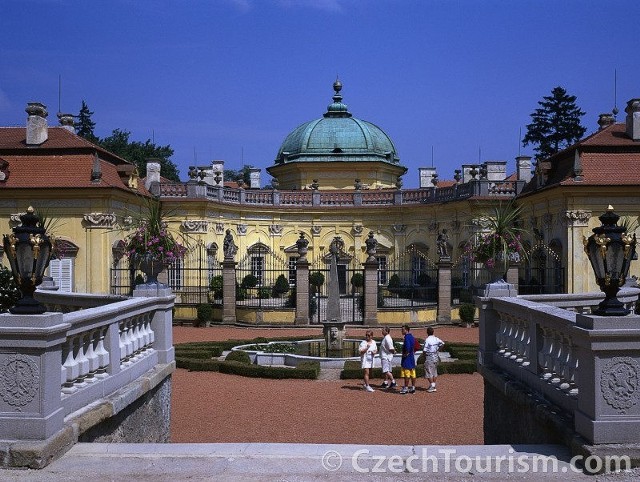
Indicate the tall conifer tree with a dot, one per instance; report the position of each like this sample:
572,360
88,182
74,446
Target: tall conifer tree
555,124
84,126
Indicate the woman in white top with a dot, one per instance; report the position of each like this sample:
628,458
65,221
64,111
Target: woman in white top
368,350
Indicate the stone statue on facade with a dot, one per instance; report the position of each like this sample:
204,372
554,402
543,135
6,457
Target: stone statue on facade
371,244
229,246
442,244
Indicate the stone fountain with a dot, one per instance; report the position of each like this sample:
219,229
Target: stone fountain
333,327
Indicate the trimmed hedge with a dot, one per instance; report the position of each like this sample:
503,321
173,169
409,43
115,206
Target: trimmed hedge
202,356
308,370
238,356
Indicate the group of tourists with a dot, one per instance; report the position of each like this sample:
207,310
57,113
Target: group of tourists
369,349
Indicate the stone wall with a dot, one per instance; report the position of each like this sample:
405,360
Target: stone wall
146,420
514,415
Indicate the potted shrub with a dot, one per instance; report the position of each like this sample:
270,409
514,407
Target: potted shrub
204,314
316,279
357,282
215,286
249,281
467,313
281,286
394,283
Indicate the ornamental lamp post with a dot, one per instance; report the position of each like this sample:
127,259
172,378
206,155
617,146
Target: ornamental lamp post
610,250
28,250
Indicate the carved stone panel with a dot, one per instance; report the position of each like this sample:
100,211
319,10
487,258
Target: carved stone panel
195,226
219,228
275,229
99,220
19,380
315,230
242,229
619,383
578,217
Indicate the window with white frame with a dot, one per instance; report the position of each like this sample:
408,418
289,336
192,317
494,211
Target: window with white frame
61,270
382,270
257,268
175,274
418,266
292,270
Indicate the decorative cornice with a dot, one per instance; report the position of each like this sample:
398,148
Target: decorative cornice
194,226
99,220
578,217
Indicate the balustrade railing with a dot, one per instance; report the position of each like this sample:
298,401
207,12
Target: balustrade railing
564,356
372,197
95,346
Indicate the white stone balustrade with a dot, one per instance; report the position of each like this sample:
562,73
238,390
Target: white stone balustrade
54,364
588,366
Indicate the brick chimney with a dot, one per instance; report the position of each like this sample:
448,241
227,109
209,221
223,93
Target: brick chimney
633,119
37,131
66,121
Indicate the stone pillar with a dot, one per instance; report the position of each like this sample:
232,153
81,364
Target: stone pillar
228,291
512,274
302,292
370,316
608,377
30,360
444,290
162,321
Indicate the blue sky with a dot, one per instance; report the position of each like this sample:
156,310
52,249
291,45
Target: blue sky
229,79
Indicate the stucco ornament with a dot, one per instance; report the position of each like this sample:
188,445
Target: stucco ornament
100,220
578,217
195,226
19,380
619,383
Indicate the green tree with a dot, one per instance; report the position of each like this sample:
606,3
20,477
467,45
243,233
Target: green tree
555,124
85,126
242,174
138,152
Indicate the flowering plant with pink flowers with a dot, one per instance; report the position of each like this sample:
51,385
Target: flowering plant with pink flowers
152,237
502,239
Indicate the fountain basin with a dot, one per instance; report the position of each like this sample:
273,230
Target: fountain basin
309,350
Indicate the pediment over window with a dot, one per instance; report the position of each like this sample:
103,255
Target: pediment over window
63,248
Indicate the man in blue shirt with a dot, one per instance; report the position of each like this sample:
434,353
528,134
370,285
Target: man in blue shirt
408,363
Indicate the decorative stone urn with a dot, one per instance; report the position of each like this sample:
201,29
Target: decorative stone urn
151,267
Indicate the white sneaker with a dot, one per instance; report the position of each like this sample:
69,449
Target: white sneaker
431,389
368,388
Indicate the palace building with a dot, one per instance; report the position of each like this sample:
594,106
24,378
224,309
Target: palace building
333,177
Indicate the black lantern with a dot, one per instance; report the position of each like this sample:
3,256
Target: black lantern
28,250
610,250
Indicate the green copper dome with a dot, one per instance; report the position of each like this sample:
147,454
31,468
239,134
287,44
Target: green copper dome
337,136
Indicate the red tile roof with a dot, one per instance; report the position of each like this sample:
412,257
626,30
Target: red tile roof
64,160
607,157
